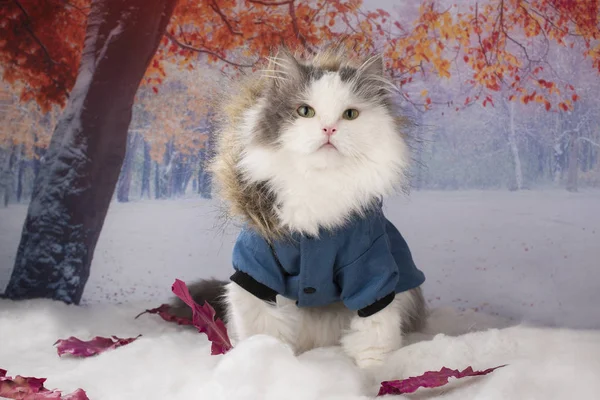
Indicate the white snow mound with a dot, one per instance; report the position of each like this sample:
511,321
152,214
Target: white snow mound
172,362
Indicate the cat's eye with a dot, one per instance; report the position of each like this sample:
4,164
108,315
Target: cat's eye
306,111
350,114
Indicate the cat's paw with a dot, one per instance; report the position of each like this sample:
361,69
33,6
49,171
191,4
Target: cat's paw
370,359
370,340
366,352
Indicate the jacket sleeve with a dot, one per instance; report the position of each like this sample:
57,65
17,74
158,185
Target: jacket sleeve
256,269
368,283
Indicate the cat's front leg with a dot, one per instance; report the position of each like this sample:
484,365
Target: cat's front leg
248,316
369,340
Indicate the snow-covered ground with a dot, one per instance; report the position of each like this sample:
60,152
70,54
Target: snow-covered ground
170,362
492,259
530,255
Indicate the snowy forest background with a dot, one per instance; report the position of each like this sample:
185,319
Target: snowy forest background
516,155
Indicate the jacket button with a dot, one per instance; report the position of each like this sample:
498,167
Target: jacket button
309,290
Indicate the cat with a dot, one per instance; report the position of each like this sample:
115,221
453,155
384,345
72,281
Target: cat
307,150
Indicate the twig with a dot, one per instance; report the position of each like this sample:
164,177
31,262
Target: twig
216,9
271,3
206,51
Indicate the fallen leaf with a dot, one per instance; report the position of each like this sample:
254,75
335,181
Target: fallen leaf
203,318
24,388
430,379
164,312
81,348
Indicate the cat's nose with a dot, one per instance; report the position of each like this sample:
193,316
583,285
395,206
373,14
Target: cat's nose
329,130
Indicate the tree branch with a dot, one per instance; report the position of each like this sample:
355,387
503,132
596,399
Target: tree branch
271,3
590,141
27,26
292,12
206,51
216,9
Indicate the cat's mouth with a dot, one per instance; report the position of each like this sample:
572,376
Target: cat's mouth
328,146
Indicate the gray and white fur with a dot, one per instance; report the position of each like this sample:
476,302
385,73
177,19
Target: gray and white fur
280,173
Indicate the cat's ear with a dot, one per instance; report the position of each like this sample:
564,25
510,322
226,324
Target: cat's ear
285,66
372,66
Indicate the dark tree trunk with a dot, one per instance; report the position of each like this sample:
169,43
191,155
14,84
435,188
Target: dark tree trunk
127,169
177,176
37,161
20,173
7,175
146,171
80,170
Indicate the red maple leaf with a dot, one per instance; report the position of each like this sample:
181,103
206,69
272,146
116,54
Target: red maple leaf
25,388
430,379
81,348
164,311
203,318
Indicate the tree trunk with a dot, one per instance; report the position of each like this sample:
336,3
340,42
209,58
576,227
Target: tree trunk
127,170
558,151
514,149
20,173
7,174
164,183
157,190
207,153
39,154
419,162
573,162
80,170
146,171
188,172
177,176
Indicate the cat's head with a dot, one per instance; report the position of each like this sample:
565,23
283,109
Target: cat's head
324,135
326,111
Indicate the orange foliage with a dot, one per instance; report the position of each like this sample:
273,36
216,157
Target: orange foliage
238,33
503,42
181,119
40,45
24,123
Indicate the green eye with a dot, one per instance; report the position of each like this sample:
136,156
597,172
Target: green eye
306,111
350,114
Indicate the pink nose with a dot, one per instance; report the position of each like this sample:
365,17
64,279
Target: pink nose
329,131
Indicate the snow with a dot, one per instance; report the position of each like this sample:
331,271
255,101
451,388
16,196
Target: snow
530,255
525,258
171,362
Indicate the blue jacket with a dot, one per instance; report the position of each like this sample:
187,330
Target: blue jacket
363,264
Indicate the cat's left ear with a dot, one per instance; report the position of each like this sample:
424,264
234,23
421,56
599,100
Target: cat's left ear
286,65
372,65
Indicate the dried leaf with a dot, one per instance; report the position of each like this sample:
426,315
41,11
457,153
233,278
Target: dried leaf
97,345
430,379
164,312
203,318
24,388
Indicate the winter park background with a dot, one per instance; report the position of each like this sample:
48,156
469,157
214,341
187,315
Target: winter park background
503,215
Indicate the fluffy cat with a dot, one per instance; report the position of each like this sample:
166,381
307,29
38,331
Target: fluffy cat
306,152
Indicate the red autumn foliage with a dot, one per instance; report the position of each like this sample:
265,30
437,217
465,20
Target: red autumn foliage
204,319
80,348
430,379
163,312
24,388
